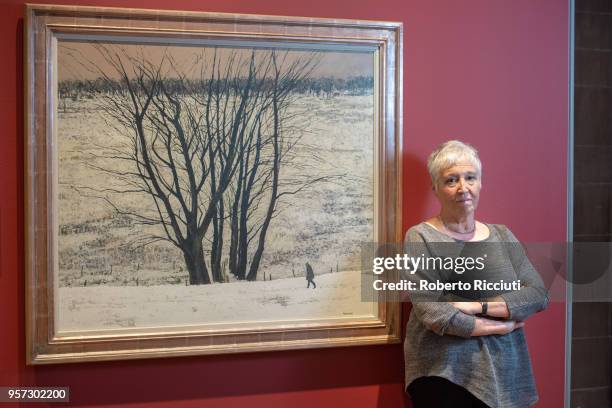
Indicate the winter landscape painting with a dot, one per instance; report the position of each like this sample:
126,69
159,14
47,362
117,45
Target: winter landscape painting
194,193
196,183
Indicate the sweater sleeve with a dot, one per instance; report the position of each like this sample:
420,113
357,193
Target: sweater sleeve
532,297
438,316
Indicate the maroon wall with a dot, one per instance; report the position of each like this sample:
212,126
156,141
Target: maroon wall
493,73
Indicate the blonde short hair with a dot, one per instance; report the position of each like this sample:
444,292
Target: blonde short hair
449,154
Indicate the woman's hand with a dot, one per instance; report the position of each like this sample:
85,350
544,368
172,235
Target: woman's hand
496,307
486,327
470,308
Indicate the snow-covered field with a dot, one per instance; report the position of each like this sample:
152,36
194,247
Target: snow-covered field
239,304
323,225
106,283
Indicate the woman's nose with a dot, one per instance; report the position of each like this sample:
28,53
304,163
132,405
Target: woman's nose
462,185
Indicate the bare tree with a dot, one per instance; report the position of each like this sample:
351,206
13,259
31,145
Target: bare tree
201,151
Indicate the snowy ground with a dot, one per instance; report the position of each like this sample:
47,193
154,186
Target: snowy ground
103,308
106,284
324,225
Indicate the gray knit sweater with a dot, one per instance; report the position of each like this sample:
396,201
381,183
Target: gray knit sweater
496,368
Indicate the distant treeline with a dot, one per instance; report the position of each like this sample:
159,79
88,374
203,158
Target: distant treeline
326,86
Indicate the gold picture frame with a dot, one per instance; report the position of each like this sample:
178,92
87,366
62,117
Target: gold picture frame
47,27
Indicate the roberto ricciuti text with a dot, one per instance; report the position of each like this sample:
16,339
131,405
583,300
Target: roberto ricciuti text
423,284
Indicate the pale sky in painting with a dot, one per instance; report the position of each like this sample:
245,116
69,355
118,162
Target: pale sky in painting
81,60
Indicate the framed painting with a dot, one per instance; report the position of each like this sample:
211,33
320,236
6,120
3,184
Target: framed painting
201,183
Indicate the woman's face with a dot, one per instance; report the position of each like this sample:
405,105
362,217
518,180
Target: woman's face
458,188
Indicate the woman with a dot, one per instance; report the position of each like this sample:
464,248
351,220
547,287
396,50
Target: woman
474,353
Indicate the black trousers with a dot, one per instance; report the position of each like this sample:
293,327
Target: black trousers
438,392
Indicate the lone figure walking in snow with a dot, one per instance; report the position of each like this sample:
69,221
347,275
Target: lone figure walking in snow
310,276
